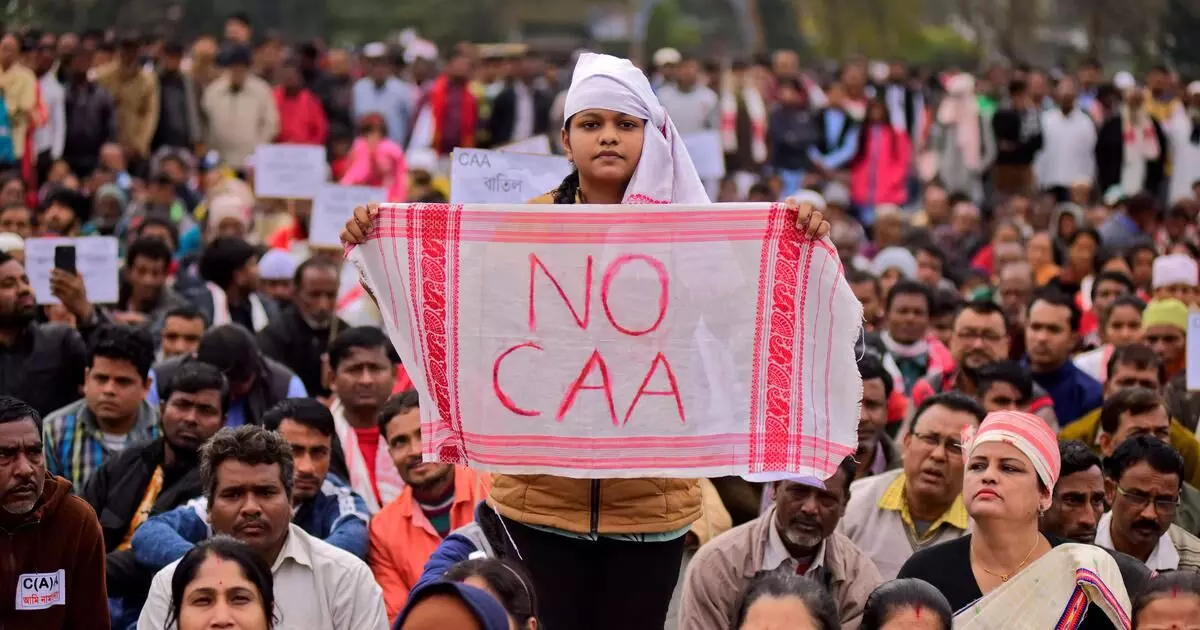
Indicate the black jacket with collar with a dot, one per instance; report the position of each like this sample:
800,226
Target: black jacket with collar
116,489
504,114
44,367
290,340
115,492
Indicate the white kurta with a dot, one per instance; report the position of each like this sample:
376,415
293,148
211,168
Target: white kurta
1068,152
1185,156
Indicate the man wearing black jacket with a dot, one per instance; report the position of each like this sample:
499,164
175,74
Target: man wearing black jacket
178,102
91,118
301,335
156,476
1018,132
43,364
160,474
522,109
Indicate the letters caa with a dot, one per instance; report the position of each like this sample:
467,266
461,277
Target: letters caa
38,591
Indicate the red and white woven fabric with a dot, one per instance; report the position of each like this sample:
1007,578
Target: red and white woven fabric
620,341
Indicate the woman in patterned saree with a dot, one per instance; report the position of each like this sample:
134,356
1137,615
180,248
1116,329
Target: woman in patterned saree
1006,564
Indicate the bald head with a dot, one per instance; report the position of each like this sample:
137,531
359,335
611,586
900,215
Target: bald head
1017,271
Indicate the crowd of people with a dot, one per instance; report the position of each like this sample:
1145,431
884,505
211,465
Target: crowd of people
234,443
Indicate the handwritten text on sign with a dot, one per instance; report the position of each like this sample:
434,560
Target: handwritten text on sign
586,341
481,176
594,375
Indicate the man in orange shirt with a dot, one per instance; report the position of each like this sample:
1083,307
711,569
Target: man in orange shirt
437,499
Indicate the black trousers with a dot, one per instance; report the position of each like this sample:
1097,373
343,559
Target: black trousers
602,585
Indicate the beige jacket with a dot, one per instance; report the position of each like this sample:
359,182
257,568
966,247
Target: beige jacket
135,100
239,121
722,568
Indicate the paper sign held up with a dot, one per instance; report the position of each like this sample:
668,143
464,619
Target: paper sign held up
481,176
95,259
707,153
289,171
335,204
575,340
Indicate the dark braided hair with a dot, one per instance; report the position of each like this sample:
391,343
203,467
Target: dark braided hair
568,190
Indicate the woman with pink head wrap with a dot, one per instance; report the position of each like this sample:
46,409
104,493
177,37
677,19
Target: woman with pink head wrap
1007,573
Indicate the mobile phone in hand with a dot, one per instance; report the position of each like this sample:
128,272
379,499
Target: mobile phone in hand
64,258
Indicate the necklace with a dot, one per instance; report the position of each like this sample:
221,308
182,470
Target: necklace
1005,577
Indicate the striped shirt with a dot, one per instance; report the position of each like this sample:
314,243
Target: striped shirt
76,447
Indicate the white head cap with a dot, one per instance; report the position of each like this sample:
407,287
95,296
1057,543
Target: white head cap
664,173
666,57
375,50
1175,269
276,264
10,242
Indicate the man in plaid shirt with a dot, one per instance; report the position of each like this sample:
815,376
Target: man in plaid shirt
113,412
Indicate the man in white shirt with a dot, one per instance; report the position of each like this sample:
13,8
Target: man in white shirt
247,475
691,106
1068,154
1144,478
50,138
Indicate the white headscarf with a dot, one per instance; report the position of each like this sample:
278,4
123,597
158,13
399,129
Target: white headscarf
664,173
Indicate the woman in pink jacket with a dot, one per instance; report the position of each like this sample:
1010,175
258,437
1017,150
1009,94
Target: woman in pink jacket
377,161
879,172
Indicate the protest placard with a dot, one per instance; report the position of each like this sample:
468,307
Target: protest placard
581,341
289,171
333,206
707,153
481,176
96,261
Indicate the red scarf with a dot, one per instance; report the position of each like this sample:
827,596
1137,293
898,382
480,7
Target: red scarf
439,101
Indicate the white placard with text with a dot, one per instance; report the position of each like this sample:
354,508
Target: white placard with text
481,176
95,259
333,205
289,171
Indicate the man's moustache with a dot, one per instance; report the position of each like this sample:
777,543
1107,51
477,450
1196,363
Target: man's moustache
1146,524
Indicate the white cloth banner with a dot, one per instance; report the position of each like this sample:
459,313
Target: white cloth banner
620,341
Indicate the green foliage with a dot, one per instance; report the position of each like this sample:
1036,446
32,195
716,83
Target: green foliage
670,25
941,46
1181,23
779,19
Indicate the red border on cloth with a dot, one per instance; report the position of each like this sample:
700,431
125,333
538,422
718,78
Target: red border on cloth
438,225
434,234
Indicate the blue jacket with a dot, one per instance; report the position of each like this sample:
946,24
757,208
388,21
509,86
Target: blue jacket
1075,392
465,543
336,515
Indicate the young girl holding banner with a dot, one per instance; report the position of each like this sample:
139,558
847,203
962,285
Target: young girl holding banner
605,553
